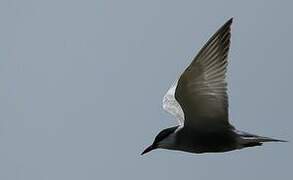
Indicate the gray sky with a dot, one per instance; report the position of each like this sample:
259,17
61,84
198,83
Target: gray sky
82,84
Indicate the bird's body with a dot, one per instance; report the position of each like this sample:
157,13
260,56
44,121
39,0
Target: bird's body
200,142
188,140
199,101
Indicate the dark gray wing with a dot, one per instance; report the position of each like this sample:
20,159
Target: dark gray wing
202,90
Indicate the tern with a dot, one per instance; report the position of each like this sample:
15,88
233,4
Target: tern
198,99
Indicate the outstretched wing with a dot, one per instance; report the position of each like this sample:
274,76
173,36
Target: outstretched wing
171,105
202,89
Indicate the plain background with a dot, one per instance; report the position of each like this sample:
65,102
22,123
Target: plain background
82,81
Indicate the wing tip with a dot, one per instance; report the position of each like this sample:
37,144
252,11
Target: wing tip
228,23
230,20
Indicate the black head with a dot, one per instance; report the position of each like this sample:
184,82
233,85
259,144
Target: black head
162,135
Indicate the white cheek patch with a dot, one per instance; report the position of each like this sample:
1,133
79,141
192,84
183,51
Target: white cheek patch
168,142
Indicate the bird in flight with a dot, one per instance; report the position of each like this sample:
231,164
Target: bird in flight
199,101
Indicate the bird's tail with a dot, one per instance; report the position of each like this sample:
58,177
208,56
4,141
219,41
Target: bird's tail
268,139
248,140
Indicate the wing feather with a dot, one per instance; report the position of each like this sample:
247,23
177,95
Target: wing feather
202,89
171,105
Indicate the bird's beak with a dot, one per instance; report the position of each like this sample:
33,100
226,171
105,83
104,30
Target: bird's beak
148,149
